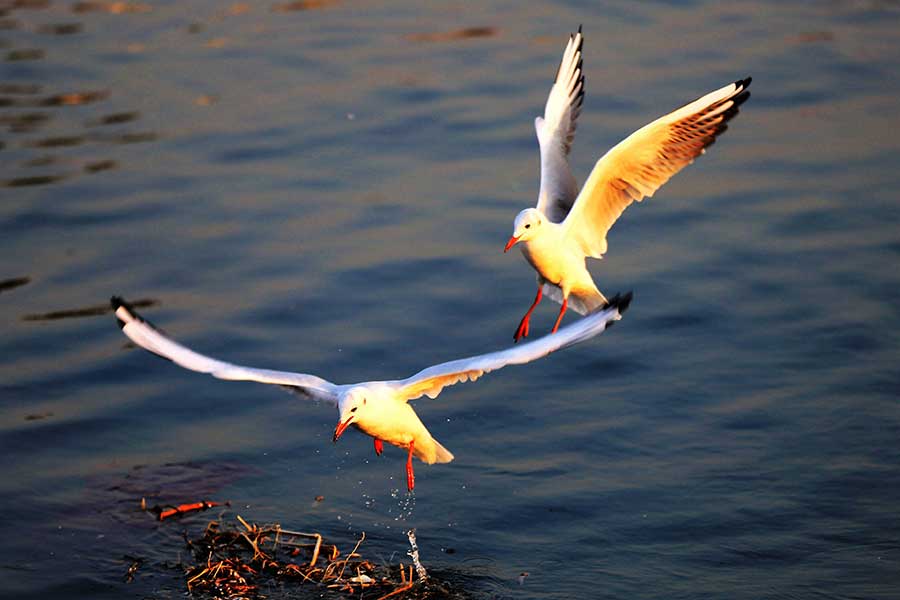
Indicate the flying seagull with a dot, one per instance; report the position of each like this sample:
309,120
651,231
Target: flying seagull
568,226
377,408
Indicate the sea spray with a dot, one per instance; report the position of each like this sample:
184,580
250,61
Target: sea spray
406,504
414,554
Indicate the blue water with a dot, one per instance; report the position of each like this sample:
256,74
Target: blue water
329,190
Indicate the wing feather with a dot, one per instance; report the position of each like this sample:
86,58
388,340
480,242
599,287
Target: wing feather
429,382
148,337
639,165
556,130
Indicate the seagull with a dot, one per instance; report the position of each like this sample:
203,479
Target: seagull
568,226
377,408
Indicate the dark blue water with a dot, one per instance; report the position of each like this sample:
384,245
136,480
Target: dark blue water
327,187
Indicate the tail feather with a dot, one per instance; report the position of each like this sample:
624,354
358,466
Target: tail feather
581,302
442,454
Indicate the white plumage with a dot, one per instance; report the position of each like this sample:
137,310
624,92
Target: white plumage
377,408
566,227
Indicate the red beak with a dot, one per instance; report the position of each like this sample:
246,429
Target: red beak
512,242
339,430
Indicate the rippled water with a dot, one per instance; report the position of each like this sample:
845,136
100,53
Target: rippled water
327,187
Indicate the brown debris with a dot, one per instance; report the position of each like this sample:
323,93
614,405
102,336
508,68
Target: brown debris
238,8
812,37
183,509
28,181
25,54
38,416
132,569
61,28
457,34
75,98
303,5
89,311
114,119
10,284
100,165
115,8
58,141
236,562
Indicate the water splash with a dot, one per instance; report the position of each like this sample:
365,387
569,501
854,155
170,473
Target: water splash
414,554
405,503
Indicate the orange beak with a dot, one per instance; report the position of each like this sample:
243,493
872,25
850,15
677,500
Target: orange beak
339,430
512,242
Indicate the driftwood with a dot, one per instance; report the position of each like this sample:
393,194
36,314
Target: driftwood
232,562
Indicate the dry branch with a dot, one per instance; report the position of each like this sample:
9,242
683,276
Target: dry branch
234,562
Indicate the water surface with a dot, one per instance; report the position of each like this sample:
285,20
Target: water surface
327,187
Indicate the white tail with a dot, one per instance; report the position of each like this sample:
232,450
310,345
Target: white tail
581,303
442,455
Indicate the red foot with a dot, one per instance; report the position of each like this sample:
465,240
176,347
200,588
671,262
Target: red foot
410,477
522,330
562,311
379,447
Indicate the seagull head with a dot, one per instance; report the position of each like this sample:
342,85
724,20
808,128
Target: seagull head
527,224
352,406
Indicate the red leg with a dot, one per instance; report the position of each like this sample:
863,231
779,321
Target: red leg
562,311
379,447
522,331
410,477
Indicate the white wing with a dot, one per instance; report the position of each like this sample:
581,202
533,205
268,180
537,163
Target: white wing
641,163
432,380
556,130
150,338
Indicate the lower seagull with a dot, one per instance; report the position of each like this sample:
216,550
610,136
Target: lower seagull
377,408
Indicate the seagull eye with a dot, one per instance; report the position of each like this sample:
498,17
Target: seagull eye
528,226
353,409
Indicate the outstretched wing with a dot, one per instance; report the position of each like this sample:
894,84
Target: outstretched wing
148,337
432,380
556,130
641,163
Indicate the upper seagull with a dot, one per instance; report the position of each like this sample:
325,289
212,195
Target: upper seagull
567,226
377,408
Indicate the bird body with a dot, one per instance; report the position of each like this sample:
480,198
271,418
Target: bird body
383,416
379,409
561,269
567,226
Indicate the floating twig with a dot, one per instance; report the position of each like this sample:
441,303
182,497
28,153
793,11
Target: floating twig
135,565
235,562
182,509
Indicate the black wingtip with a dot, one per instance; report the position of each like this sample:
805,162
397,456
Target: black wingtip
579,28
116,302
621,302
740,98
